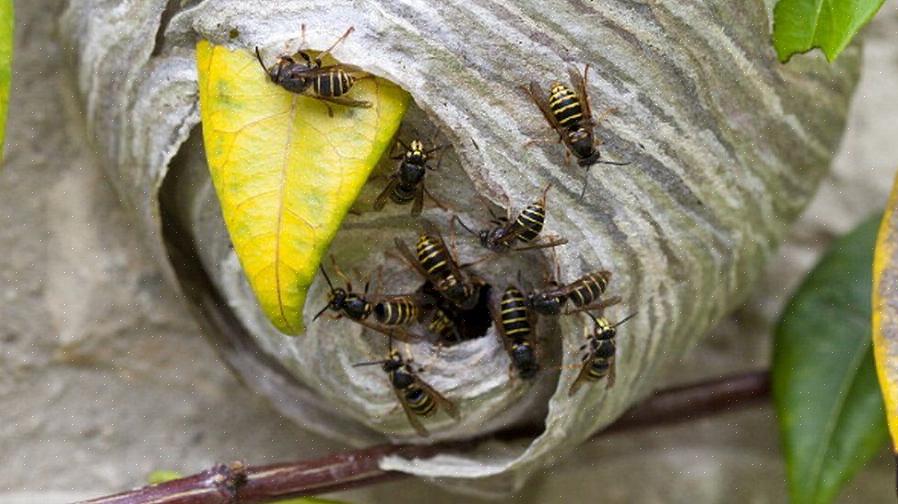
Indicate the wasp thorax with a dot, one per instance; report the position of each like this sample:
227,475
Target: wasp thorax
545,304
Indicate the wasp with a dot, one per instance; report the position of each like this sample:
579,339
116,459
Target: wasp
582,292
569,113
514,324
418,399
311,77
598,361
398,310
443,326
407,183
434,262
525,228
390,312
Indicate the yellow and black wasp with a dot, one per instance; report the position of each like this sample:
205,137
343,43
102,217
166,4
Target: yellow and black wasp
390,312
443,326
407,183
525,227
514,324
598,361
569,113
434,261
311,77
582,292
418,399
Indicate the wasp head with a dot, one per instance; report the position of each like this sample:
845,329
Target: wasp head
394,361
582,145
485,237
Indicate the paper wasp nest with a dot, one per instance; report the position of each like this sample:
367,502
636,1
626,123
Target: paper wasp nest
726,144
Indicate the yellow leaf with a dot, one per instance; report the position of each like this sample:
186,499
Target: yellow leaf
885,312
285,172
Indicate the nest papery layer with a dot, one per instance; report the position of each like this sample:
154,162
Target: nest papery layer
726,145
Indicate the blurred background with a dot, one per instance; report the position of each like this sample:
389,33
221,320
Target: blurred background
104,377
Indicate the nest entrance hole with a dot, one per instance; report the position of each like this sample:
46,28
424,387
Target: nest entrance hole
469,324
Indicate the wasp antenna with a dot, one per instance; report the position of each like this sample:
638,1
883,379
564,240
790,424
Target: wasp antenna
369,363
593,317
628,317
465,226
259,57
546,190
320,313
615,163
585,183
327,278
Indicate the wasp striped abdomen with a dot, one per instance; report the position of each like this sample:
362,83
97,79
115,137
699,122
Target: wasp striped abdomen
514,314
443,326
434,258
415,397
402,194
602,359
515,319
531,221
419,402
589,288
399,310
565,106
336,82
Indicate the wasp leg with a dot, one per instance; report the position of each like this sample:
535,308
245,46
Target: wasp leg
600,306
327,51
553,242
435,201
604,115
534,141
346,102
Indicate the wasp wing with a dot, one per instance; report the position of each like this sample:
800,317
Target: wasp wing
328,69
579,82
412,417
418,205
410,258
400,333
611,375
446,404
583,375
382,197
536,94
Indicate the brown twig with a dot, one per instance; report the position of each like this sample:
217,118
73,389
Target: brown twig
236,483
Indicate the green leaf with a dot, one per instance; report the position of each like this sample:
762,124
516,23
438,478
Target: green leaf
6,41
824,382
801,25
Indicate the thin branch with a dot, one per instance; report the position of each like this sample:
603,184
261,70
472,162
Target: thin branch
236,483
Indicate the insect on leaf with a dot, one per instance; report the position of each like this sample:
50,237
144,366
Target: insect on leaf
885,312
285,172
6,43
824,382
801,25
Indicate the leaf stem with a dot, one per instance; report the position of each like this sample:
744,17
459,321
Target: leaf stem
235,482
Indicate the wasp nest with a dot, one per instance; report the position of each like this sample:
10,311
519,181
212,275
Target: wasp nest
726,147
